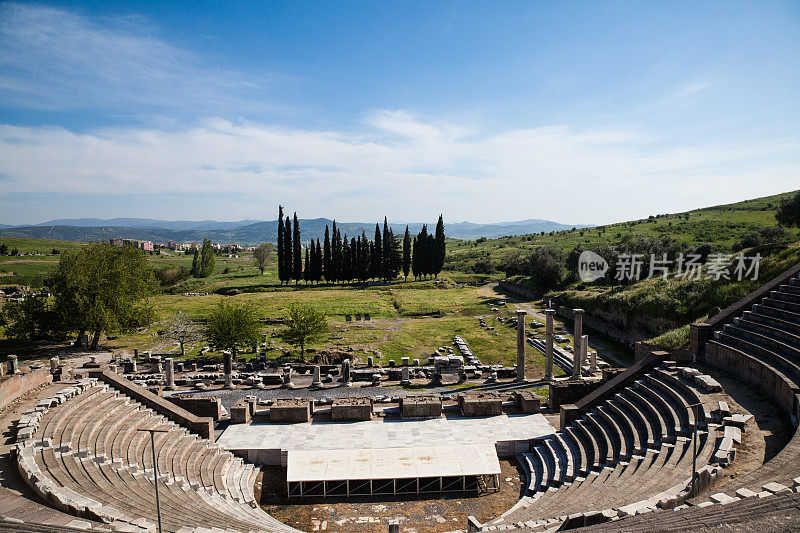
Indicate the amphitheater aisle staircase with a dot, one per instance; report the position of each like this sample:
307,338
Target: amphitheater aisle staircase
629,454
88,457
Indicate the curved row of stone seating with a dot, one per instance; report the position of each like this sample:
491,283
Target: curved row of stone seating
12,525
90,451
743,514
630,453
764,345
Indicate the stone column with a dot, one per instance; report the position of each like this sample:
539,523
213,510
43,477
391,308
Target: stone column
169,373
228,366
584,349
520,345
13,365
317,380
346,380
394,527
548,339
406,381
592,360
577,335
53,365
370,361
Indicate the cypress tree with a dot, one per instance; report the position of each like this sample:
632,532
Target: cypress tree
406,254
386,255
206,259
196,264
297,252
326,256
377,255
347,268
287,249
307,268
391,257
318,264
336,248
415,258
353,259
439,248
281,259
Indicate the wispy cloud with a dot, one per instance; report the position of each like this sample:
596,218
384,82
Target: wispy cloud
53,59
398,164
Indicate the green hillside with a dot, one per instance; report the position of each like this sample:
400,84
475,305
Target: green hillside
722,226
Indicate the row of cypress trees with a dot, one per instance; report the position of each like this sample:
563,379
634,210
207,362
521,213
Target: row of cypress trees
342,259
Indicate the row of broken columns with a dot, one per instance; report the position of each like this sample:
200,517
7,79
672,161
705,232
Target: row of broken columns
581,345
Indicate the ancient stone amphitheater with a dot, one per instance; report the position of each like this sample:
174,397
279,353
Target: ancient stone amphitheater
621,461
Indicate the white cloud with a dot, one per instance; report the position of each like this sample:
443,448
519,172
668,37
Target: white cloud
53,59
400,165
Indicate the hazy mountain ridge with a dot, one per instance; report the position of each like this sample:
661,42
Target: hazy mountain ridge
250,233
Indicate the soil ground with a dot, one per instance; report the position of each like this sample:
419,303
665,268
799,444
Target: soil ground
415,515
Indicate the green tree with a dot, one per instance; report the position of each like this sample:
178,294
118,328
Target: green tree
307,267
788,213
262,256
327,263
297,253
406,254
33,318
304,324
376,261
103,288
195,272
207,259
3,249
287,250
281,258
230,326
439,248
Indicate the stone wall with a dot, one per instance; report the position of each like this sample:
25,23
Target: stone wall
422,406
202,406
16,385
482,404
351,409
291,410
203,426
564,392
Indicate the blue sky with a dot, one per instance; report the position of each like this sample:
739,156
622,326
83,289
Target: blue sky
580,112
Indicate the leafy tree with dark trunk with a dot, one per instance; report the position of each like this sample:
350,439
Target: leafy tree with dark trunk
103,288
281,258
297,252
789,211
304,324
406,254
262,255
230,326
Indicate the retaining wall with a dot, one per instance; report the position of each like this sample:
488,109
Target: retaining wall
203,426
16,385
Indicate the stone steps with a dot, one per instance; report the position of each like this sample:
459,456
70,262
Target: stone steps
90,446
611,464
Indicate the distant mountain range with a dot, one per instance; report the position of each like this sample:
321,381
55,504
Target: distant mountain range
250,232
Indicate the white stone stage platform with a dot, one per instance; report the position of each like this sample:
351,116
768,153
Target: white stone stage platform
387,457
265,443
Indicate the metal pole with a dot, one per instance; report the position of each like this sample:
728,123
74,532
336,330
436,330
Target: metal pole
694,451
155,478
152,432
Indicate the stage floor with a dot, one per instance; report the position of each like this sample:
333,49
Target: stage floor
263,442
